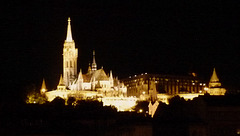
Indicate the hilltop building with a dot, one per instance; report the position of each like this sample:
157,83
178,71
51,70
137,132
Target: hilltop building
94,84
164,87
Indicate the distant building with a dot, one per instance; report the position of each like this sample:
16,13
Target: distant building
215,87
166,86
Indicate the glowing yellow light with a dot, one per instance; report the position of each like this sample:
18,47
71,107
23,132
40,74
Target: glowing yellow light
140,110
43,90
143,92
205,88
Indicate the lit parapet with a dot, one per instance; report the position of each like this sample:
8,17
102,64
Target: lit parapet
121,103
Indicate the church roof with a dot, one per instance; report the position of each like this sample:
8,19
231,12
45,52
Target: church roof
100,75
86,78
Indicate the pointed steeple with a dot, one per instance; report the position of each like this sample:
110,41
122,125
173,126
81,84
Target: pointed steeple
214,77
61,83
89,68
69,31
43,84
70,56
43,88
214,81
94,64
61,86
80,76
111,76
111,79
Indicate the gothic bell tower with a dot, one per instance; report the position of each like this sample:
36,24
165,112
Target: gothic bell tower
70,55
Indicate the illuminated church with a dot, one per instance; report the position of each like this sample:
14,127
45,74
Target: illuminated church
94,84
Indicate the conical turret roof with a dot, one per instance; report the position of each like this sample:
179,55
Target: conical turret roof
214,81
214,77
61,83
43,85
80,76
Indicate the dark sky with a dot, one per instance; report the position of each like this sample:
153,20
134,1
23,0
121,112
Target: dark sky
174,37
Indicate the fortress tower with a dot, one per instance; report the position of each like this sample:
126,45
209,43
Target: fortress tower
215,85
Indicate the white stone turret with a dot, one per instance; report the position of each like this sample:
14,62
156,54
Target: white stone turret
70,55
111,79
215,86
61,86
80,81
214,81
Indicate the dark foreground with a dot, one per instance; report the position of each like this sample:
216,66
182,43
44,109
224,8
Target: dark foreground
204,116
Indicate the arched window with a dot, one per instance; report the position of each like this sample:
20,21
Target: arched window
66,64
70,63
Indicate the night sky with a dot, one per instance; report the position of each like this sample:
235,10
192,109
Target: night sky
128,37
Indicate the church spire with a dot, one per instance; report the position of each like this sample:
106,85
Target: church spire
89,68
80,76
69,31
61,86
111,76
61,83
43,88
94,64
